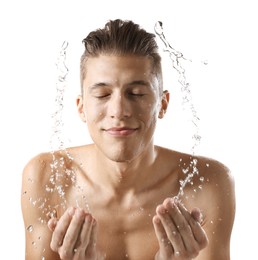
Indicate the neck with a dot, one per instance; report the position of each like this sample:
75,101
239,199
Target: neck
123,177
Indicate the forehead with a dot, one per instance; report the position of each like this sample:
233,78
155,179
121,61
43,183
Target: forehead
118,68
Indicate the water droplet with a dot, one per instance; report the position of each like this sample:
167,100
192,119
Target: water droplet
158,28
30,228
30,180
185,170
202,179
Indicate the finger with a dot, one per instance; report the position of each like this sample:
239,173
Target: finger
73,232
181,222
165,246
85,233
198,232
60,229
91,249
172,232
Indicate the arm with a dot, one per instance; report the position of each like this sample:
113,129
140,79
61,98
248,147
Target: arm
219,204
36,209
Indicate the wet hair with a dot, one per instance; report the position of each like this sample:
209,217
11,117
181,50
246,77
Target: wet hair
121,37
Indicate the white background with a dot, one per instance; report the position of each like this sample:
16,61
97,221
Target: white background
224,92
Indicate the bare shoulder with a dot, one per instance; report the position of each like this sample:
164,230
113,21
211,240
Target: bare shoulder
47,176
37,168
211,186
217,180
37,192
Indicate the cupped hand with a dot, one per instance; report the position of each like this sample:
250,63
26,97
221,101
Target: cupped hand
74,235
179,232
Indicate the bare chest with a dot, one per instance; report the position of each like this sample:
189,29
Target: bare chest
126,234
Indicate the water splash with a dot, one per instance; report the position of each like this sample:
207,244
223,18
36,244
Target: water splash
62,175
177,58
59,172
56,139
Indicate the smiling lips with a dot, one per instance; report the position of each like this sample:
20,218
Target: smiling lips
120,131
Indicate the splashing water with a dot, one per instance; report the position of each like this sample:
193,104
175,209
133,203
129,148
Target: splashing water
177,57
61,176
56,140
59,172
58,168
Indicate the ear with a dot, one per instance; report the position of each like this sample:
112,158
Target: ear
79,103
164,103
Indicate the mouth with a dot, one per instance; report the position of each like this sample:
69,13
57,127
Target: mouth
120,131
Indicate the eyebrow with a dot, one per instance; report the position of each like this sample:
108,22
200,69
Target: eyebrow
133,83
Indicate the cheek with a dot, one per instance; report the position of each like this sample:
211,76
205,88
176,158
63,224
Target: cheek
150,115
93,112
152,110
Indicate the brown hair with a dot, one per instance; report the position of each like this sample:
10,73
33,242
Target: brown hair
120,37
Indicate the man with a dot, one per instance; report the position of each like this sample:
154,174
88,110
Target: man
117,198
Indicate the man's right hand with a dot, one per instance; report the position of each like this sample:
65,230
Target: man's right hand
74,235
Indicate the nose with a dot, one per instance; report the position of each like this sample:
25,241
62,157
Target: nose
119,106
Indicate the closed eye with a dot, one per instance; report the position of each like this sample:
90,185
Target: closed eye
102,96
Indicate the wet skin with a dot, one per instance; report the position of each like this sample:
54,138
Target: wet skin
128,182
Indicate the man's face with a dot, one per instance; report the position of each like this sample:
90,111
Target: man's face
120,104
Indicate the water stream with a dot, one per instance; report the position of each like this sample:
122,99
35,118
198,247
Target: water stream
177,58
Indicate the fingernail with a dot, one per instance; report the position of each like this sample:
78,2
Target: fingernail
71,211
88,218
161,210
176,200
157,220
94,221
200,218
78,212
